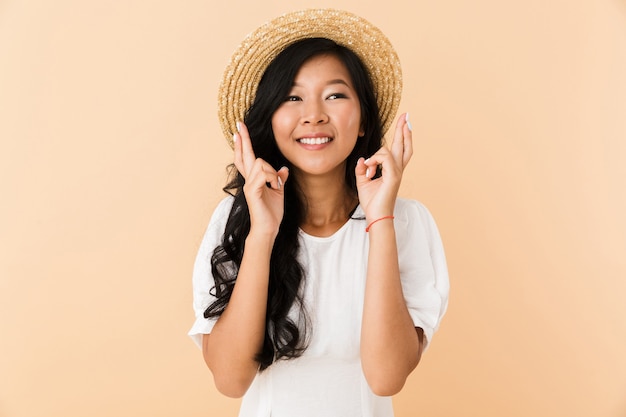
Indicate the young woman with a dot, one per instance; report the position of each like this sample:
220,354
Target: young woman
316,288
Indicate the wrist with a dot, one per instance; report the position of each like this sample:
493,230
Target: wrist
262,237
377,211
380,219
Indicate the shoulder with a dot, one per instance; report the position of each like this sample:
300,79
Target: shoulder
218,221
222,210
410,211
413,221
224,206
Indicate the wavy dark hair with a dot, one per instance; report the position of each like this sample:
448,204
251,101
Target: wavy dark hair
285,335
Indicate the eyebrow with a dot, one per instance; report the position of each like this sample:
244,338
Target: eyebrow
331,82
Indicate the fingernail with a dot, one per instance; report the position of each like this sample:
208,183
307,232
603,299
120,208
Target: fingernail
408,123
234,137
367,172
280,183
238,127
366,161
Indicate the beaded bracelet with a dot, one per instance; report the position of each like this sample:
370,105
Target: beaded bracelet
367,229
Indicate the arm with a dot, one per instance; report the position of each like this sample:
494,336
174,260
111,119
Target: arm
391,345
237,337
230,350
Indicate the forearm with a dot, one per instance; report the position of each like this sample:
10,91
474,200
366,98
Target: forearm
390,346
238,335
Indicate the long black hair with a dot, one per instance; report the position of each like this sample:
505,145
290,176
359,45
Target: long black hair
285,335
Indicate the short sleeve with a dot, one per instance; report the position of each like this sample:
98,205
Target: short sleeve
202,279
423,269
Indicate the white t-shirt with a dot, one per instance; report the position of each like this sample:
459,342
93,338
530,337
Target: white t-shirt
327,380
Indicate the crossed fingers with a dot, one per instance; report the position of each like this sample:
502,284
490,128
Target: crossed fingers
399,152
255,170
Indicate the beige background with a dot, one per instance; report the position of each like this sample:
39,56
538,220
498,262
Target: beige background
111,162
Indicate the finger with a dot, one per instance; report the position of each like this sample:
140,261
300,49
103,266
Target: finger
383,157
238,156
408,142
263,175
283,174
274,179
247,153
397,146
361,169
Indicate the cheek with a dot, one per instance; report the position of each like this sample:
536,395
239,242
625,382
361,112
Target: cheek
356,122
280,123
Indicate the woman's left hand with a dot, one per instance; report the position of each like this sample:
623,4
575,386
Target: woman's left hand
378,196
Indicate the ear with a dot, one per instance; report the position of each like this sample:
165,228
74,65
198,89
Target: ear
361,132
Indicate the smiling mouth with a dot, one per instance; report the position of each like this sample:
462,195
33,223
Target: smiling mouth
314,141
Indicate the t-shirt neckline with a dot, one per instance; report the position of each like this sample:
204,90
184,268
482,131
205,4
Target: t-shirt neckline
357,214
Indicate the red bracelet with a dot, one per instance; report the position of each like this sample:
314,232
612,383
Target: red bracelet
367,229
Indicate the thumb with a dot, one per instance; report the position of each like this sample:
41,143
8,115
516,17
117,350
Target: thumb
283,174
361,168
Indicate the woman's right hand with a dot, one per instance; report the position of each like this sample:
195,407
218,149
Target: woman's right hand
238,335
263,186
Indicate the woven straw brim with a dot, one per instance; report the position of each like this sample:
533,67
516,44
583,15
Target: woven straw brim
252,57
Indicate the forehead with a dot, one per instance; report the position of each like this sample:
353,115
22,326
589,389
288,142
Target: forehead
325,68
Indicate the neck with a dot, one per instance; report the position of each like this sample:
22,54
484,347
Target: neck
328,204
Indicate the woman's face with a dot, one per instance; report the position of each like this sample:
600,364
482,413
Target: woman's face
318,124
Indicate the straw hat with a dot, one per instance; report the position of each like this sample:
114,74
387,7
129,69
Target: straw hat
259,48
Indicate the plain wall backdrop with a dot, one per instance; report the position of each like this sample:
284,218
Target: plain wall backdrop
112,160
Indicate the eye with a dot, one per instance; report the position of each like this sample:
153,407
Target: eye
292,98
336,96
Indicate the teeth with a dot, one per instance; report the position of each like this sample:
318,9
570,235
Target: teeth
314,141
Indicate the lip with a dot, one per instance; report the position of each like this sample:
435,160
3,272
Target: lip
314,141
322,140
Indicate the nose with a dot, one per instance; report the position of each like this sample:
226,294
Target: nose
314,113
